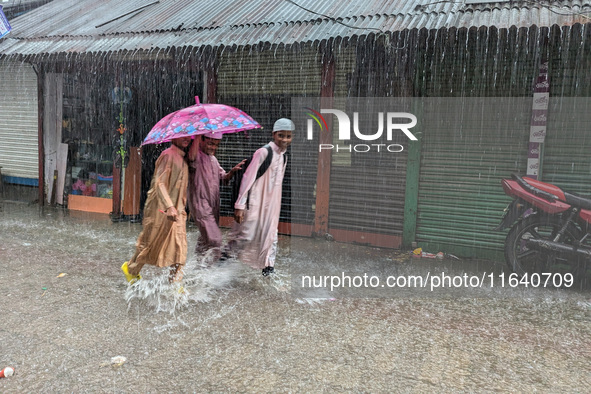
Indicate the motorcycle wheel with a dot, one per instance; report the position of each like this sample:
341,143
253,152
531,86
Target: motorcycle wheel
523,260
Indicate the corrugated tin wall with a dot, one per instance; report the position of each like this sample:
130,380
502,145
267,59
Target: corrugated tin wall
18,120
368,195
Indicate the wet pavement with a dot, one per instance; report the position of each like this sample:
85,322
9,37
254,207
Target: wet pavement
66,312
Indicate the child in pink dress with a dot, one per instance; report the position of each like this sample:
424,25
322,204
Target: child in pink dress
204,191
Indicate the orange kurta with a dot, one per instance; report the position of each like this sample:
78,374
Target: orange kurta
163,242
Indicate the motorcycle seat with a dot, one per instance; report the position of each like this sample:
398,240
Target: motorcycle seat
533,190
577,201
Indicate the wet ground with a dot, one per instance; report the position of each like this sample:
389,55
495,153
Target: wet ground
66,313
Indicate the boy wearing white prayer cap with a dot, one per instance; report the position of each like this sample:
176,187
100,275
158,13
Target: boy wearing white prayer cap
254,235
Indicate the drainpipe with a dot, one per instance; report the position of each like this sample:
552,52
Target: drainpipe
411,203
413,172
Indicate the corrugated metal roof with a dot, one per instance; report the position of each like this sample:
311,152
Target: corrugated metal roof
14,8
112,25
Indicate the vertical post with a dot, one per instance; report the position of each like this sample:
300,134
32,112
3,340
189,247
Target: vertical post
132,183
1,185
122,98
116,191
54,189
539,116
325,156
52,125
411,202
40,146
118,159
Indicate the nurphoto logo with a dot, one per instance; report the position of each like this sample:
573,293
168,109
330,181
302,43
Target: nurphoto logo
392,121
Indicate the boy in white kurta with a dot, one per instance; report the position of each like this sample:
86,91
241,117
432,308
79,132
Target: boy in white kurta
254,235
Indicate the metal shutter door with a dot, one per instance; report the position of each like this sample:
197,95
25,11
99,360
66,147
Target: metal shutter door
566,158
367,190
18,120
463,160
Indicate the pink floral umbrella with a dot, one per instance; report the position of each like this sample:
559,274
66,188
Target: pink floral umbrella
200,119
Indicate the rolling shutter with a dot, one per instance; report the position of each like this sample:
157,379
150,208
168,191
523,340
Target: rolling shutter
566,158
465,154
18,122
367,187
470,142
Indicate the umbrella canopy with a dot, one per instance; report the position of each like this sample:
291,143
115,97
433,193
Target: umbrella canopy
200,119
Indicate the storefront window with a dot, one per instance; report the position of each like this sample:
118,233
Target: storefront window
90,161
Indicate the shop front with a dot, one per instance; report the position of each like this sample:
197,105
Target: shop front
95,121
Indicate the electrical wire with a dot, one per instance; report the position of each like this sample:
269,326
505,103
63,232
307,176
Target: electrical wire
335,20
332,18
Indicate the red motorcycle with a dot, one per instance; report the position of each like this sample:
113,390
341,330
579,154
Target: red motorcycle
550,229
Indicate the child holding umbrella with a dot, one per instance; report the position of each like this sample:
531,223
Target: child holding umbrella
163,241
204,191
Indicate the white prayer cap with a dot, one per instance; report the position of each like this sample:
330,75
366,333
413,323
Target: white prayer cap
214,135
284,124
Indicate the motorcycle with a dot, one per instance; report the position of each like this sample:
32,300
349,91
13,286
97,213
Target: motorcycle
550,229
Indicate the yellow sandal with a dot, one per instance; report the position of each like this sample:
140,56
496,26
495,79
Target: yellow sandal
129,277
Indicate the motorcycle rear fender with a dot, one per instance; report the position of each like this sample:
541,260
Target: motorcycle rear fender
585,214
513,212
514,189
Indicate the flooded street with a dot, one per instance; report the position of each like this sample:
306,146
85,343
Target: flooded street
66,311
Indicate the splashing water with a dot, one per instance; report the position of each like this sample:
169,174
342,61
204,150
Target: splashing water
203,281
158,293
